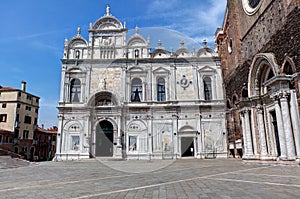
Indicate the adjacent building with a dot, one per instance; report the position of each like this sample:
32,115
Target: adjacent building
18,120
259,48
44,143
120,99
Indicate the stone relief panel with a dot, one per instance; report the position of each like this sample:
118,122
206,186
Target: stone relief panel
162,137
213,137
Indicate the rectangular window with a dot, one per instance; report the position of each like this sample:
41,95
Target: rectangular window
18,105
35,121
25,134
37,110
29,97
4,105
75,143
37,100
28,108
132,143
3,117
0,139
27,119
16,133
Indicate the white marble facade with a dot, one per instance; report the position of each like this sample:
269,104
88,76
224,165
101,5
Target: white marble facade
120,99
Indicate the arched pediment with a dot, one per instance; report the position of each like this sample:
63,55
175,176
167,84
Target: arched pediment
206,52
103,98
136,40
263,67
78,42
186,128
74,70
183,52
135,69
136,126
160,53
72,126
107,23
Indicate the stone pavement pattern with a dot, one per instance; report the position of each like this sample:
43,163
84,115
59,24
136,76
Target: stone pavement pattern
188,178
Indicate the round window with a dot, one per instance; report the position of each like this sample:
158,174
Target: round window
251,6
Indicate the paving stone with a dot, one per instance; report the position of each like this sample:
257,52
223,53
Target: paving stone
183,179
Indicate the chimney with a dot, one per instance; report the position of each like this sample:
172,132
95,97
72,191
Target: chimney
43,126
23,86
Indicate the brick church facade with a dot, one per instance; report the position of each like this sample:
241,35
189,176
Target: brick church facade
259,46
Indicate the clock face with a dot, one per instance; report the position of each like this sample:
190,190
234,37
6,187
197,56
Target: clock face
253,3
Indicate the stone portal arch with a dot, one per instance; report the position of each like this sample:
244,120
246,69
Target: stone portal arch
263,68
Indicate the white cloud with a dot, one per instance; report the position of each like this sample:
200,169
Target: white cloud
198,20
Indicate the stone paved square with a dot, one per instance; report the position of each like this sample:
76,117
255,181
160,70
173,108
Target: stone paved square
185,178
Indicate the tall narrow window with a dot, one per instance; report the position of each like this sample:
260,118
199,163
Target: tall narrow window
207,88
75,90
161,92
136,53
136,90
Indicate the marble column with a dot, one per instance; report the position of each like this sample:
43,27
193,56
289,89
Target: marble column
295,121
249,148
281,134
261,131
289,137
254,130
243,131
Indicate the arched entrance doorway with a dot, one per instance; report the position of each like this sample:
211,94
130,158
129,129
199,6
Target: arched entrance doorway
104,139
187,147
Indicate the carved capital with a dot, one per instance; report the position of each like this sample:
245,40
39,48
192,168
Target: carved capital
274,96
259,109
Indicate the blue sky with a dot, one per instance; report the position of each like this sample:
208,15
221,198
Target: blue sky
33,31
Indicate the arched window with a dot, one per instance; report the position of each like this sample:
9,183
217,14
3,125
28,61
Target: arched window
75,90
161,92
207,88
136,90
